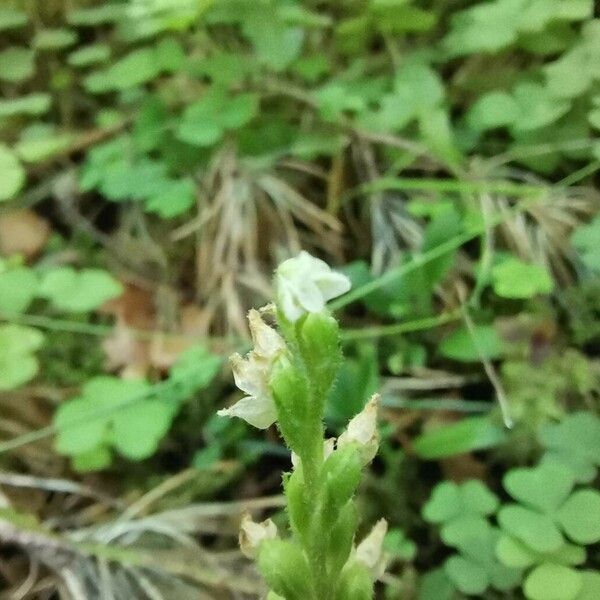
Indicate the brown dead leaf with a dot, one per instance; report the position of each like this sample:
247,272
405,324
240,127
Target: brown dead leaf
23,232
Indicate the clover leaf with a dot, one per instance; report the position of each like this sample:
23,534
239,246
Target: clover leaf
18,287
548,508
553,582
585,239
18,364
574,442
451,500
513,278
12,174
78,291
129,417
112,414
476,568
465,345
205,122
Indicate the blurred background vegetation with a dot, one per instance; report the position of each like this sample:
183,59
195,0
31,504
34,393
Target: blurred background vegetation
158,158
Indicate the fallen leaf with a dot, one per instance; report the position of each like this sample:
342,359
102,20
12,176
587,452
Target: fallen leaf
23,232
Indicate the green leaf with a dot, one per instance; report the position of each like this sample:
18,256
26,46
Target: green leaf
16,64
553,582
436,585
18,288
544,487
513,278
536,107
585,239
576,437
12,174
78,291
137,431
204,122
89,55
17,362
579,517
31,104
54,39
492,110
398,545
590,589
11,18
466,346
450,500
474,433
41,141
467,576
96,15
534,529
514,553
136,68
84,423
172,198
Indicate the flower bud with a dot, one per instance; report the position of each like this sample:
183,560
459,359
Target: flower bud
370,551
253,534
362,430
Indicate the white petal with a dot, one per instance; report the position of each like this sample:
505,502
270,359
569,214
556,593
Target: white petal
333,285
309,296
369,551
288,302
362,430
267,342
253,534
248,374
260,411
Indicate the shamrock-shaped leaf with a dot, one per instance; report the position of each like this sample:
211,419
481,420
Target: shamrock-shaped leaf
30,104
78,291
451,500
514,553
553,582
585,239
112,413
513,278
12,174
575,442
579,516
16,64
465,345
17,361
54,39
476,567
590,588
11,18
18,287
399,546
549,509
205,122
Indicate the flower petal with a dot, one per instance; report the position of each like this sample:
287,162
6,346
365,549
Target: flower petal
260,411
267,342
333,285
253,534
370,551
362,430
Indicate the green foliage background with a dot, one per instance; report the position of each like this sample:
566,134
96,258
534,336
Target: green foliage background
444,155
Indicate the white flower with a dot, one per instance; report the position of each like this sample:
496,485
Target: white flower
252,534
252,375
370,551
362,430
305,284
